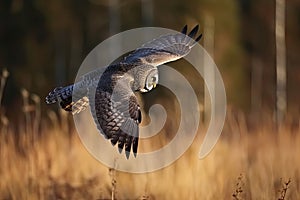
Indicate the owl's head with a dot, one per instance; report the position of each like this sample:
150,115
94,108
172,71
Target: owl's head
151,81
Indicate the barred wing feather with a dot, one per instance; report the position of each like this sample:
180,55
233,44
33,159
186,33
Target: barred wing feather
165,49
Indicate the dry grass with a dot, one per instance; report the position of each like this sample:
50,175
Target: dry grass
56,166
48,161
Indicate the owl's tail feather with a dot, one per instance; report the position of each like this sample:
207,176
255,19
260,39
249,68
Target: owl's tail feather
67,100
63,95
80,105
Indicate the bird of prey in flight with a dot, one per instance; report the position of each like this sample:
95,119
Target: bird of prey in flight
110,91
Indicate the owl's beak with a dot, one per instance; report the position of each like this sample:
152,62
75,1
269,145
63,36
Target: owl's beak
154,85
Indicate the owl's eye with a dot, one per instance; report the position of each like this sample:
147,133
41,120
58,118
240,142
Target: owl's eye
151,81
150,86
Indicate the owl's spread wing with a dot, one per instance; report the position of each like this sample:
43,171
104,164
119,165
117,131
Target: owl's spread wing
166,48
116,111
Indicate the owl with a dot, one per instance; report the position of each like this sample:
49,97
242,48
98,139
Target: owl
110,91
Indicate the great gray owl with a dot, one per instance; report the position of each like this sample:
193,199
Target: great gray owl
110,91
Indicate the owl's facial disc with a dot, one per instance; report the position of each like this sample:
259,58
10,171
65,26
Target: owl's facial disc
151,81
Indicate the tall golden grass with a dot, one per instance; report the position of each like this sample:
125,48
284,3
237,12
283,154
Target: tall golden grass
46,160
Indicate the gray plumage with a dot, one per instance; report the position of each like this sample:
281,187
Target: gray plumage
110,91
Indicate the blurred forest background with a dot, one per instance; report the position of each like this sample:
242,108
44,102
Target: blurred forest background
42,45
